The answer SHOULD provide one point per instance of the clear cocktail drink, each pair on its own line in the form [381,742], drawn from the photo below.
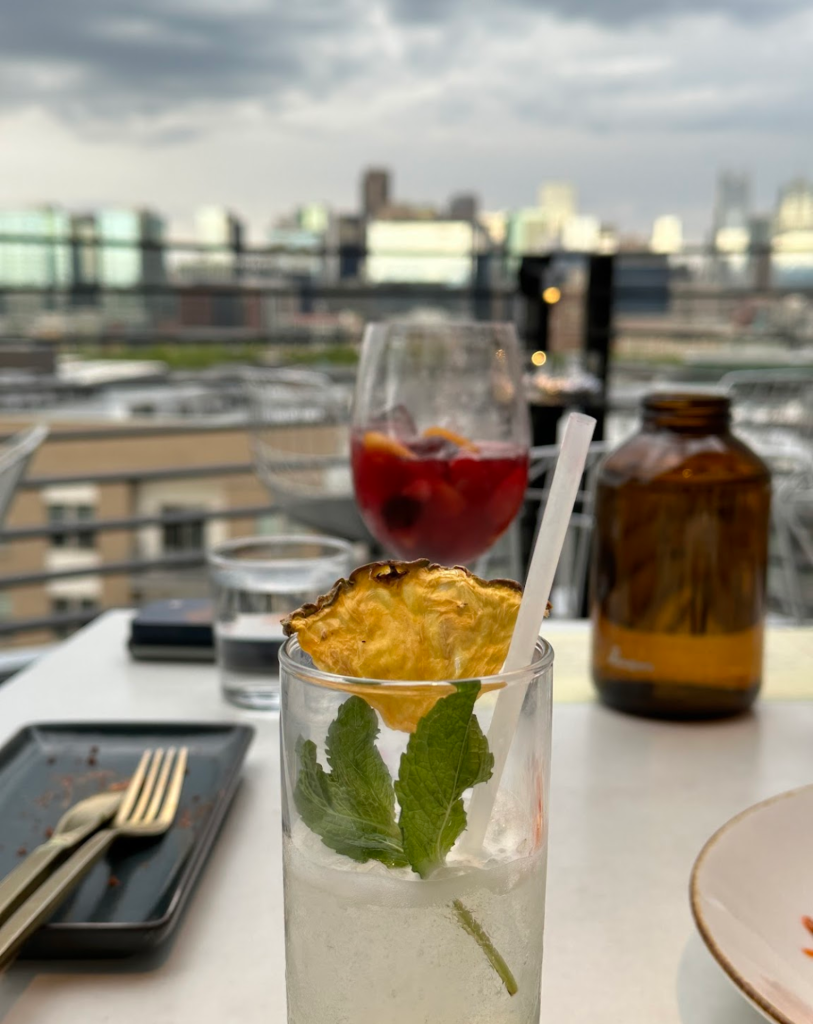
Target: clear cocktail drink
[389,918]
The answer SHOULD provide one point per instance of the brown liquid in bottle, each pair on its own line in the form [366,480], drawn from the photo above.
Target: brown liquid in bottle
[680,561]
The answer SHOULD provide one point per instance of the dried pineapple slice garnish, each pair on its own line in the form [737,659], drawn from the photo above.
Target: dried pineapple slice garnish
[408,621]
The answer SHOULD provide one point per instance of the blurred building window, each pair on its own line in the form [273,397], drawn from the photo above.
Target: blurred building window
[189,535]
[63,605]
[72,520]
[72,606]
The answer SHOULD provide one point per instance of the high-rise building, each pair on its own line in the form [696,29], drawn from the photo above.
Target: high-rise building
[792,262]
[218,227]
[463,207]
[84,260]
[558,201]
[426,251]
[375,191]
[732,213]
[794,210]
[35,252]
[760,230]
[409,211]
[350,235]
[315,217]
[306,240]
[667,235]
[580,233]
[130,248]
[131,256]
[528,232]
[299,252]
[35,257]
[223,232]
[495,223]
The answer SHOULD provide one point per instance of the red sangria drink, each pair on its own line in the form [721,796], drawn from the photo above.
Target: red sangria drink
[440,437]
[439,496]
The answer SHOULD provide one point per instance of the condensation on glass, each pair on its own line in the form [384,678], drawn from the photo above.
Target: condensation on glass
[680,563]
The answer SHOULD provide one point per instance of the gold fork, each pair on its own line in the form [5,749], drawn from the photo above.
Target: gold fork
[148,809]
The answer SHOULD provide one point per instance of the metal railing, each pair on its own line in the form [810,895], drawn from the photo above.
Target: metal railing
[140,563]
[499,285]
[193,292]
[118,476]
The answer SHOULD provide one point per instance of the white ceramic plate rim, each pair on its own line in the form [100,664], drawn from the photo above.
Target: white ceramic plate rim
[762,1003]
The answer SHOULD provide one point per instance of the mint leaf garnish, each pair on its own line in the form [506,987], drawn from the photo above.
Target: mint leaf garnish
[445,755]
[352,808]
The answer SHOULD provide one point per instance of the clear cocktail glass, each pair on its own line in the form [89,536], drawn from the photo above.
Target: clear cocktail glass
[390,916]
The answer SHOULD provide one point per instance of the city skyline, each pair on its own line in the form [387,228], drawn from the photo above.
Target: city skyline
[259,107]
[731,219]
[698,228]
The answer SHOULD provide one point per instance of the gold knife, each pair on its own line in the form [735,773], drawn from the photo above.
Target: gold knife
[73,827]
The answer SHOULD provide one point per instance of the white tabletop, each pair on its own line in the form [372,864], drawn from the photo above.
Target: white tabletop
[632,803]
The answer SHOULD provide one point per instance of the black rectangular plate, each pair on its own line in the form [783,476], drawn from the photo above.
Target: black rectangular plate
[132,899]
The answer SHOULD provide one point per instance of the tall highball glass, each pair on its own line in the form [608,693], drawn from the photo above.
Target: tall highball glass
[390,915]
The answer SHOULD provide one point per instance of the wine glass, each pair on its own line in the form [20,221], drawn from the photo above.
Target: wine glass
[440,437]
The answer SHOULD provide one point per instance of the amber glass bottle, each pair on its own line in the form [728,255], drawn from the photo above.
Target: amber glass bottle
[679,564]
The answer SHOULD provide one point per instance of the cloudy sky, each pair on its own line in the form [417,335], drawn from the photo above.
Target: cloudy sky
[260,104]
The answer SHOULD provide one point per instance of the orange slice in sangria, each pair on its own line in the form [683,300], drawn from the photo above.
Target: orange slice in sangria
[375,441]
[450,435]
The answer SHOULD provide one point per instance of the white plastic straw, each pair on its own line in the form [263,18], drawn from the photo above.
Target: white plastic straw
[549,542]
